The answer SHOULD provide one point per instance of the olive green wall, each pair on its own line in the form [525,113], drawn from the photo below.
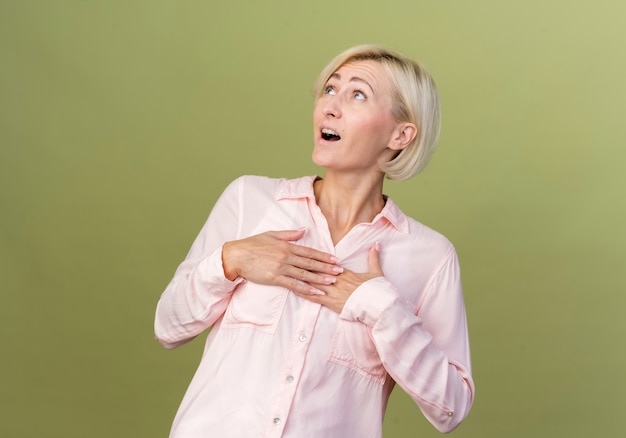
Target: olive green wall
[121,122]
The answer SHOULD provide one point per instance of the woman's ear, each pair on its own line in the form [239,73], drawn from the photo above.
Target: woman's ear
[403,135]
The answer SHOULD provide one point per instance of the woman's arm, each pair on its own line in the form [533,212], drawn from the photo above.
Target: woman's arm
[199,292]
[426,354]
[221,258]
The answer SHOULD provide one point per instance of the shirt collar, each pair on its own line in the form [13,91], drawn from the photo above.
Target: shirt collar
[303,188]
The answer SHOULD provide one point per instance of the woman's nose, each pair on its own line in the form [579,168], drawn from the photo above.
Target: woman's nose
[331,107]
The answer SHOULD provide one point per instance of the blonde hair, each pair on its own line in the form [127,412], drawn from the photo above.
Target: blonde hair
[415,100]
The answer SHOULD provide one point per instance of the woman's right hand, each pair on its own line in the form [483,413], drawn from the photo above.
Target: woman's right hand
[271,259]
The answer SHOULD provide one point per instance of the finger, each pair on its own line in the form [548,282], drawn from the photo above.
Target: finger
[288,235]
[373,259]
[301,250]
[313,265]
[314,254]
[307,276]
[303,289]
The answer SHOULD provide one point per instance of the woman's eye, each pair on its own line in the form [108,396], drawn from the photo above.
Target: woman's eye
[329,90]
[358,95]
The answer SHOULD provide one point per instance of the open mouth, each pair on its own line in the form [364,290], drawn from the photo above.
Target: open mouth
[330,135]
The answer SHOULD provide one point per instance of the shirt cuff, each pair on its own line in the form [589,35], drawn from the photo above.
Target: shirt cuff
[369,301]
[213,272]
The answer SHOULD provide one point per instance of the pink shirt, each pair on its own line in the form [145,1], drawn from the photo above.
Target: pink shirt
[277,365]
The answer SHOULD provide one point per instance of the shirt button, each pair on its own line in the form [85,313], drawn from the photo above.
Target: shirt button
[290,379]
[276,420]
[450,414]
[302,338]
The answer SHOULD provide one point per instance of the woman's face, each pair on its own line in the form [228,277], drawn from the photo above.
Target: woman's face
[352,119]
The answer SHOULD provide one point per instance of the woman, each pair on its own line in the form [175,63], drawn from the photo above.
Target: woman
[321,294]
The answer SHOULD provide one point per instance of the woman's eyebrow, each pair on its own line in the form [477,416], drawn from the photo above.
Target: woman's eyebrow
[352,79]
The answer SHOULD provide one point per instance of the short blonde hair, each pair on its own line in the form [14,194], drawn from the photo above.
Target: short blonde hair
[415,100]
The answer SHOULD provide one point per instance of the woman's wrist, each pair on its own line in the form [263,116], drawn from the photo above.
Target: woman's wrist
[230,271]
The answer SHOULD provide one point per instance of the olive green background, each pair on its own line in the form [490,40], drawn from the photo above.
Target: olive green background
[122,121]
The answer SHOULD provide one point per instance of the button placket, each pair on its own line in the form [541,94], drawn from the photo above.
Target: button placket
[300,343]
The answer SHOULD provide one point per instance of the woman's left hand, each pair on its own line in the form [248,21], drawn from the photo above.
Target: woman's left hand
[334,296]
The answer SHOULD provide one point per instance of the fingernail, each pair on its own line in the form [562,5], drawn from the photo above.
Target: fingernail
[334,259]
[377,246]
[315,291]
[330,280]
[337,269]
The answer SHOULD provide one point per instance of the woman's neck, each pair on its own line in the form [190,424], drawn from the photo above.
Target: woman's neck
[347,201]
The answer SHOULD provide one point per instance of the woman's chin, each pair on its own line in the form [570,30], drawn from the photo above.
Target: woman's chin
[320,159]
